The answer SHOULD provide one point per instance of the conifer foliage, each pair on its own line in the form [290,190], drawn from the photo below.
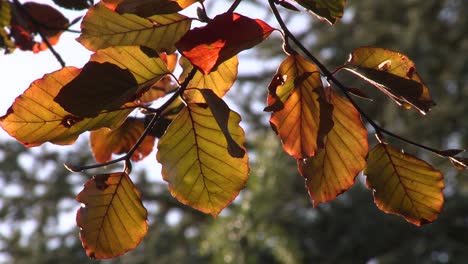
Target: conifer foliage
[137,46]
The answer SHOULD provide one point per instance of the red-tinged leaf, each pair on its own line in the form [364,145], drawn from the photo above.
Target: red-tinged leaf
[32,18]
[105,142]
[334,168]
[35,118]
[196,163]
[327,10]
[146,8]
[113,77]
[394,74]
[306,117]
[222,38]
[404,185]
[219,81]
[112,219]
[102,28]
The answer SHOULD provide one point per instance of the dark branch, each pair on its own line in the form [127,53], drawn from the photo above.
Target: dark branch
[331,78]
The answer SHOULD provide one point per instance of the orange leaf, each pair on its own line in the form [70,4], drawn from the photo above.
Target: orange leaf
[105,141]
[334,168]
[306,117]
[35,118]
[222,38]
[113,219]
[394,74]
[404,185]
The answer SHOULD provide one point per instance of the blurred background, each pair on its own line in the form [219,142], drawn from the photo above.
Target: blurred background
[272,221]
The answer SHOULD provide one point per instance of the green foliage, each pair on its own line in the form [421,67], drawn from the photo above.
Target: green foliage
[202,151]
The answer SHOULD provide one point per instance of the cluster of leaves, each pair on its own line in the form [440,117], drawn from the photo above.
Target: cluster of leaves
[137,46]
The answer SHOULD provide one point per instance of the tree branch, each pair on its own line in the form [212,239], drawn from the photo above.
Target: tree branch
[331,78]
[233,6]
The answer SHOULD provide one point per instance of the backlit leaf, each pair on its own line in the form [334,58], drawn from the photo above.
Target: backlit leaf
[105,142]
[6,42]
[327,10]
[35,118]
[146,8]
[112,219]
[196,163]
[306,117]
[394,74]
[404,185]
[102,28]
[334,168]
[222,38]
[219,81]
[113,77]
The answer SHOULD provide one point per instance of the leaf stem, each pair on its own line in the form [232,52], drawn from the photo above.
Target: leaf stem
[233,6]
[154,120]
[331,78]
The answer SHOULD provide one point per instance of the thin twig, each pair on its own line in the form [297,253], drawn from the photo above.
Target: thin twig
[331,78]
[43,36]
[233,6]
[154,120]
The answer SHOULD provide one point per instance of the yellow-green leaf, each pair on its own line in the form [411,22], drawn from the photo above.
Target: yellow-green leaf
[306,117]
[35,118]
[105,142]
[334,168]
[102,28]
[196,163]
[113,76]
[146,8]
[112,219]
[394,74]
[404,185]
[327,10]
[220,81]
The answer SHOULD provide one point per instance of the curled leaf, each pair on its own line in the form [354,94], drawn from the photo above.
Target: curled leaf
[394,74]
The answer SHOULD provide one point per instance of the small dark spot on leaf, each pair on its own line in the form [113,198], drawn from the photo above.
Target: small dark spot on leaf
[101,181]
[410,72]
[69,120]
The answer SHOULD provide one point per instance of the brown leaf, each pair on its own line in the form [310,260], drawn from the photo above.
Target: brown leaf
[146,8]
[222,38]
[105,142]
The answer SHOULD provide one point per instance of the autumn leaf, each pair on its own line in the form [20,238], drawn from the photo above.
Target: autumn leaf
[306,117]
[102,28]
[35,118]
[146,8]
[394,74]
[31,18]
[113,77]
[196,163]
[165,85]
[219,81]
[327,10]
[112,219]
[404,185]
[6,42]
[334,168]
[105,142]
[222,38]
